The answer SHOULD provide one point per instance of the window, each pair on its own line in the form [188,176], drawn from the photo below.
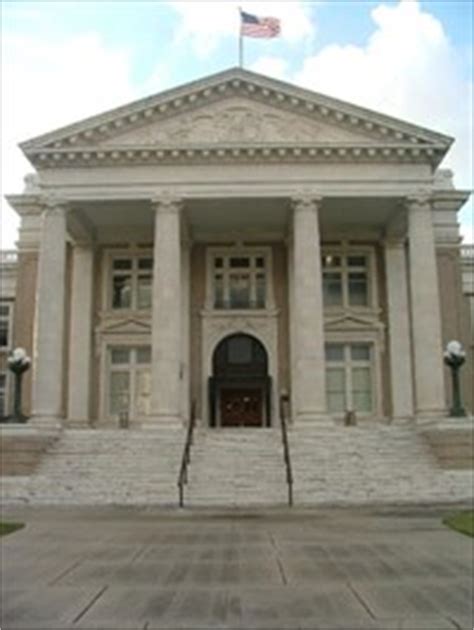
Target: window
[239,282]
[5,323]
[131,282]
[349,377]
[129,380]
[346,280]
[3,394]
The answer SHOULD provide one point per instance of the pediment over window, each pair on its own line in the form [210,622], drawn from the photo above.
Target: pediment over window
[125,326]
[351,322]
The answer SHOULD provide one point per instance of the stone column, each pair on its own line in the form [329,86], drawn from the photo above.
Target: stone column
[48,375]
[307,311]
[80,335]
[186,327]
[166,320]
[425,310]
[401,377]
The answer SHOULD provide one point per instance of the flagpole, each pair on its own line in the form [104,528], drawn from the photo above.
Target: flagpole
[241,43]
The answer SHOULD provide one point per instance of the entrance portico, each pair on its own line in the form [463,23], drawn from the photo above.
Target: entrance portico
[172,230]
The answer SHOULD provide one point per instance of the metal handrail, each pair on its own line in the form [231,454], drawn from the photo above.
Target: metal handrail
[286,447]
[186,459]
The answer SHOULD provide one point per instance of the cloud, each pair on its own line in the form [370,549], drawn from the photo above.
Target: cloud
[206,24]
[47,84]
[408,69]
[270,66]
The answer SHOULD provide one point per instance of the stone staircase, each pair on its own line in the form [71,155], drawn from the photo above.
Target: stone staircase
[371,464]
[237,467]
[332,465]
[100,467]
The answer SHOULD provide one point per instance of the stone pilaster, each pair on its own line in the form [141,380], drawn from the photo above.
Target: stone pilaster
[307,313]
[166,320]
[425,310]
[47,404]
[186,328]
[80,335]
[401,377]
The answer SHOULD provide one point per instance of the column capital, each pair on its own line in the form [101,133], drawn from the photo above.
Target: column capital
[165,203]
[54,205]
[419,199]
[307,201]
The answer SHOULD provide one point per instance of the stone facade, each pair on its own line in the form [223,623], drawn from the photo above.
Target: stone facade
[230,242]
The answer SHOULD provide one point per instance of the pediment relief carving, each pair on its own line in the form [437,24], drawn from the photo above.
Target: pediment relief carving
[235,121]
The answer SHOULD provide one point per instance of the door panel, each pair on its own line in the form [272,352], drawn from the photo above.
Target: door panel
[241,407]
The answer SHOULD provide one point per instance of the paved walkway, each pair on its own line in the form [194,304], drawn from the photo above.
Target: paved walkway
[117,568]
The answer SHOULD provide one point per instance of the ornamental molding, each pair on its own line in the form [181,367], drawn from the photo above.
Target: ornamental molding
[349,321]
[309,153]
[124,326]
[232,111]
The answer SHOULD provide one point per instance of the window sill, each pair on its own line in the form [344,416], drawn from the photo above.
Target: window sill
[241,312]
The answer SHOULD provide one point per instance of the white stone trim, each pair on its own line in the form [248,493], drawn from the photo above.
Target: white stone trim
[216,326]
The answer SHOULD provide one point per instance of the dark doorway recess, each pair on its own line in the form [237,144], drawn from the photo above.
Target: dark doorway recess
[240,388]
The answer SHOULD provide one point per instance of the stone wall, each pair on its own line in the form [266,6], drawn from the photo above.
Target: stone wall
[24,314]
[455,318]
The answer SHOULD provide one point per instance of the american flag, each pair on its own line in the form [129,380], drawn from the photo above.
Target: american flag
[253,26]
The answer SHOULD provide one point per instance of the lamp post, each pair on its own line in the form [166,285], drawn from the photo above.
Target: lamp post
[454,357]
[18,363]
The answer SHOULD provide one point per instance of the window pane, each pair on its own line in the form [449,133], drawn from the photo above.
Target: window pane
[119,392]
[218,291]
[361,379]
[260,290]
[260,262]
[4,310]
[360,352]
[218,263]
[122,263]
[240,262]
[120,356]
[336,402]
[239,290]
[3,333]
[144,291]
[332,289]
[336,379]
[331,261]
[145,263]
[142,392]
[358,289]
[239,350]
[334,352]
[144,355]
[3,383]
[357,261]
[122,292]
[361,389]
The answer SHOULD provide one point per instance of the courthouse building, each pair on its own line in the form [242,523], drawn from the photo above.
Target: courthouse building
[231,241]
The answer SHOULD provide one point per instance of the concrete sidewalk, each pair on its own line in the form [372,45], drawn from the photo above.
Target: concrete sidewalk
[123,568]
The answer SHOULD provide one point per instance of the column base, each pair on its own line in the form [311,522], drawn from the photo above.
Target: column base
[315,418]
[46,422]
[429,416]
[158,421]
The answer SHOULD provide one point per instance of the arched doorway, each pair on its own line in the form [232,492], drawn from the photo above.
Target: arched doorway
[239,389]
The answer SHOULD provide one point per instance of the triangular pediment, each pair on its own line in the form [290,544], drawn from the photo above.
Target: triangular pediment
[236,107]
[346,321]
[126,326]
[235,120]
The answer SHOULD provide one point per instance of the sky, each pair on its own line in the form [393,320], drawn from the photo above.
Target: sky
[64,61]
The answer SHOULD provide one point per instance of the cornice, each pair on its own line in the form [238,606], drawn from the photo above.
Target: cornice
[235,82]
[75,157]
